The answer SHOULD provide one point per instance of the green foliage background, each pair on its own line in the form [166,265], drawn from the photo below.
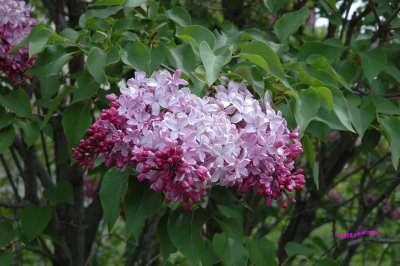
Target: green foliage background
[340,83]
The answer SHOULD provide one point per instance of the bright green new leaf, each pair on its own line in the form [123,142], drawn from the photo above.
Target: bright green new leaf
[262,252]
[7,137]
[140,203]
[213,63]
[290,22]
[373,62]
[392,126]
[261,54]
[195,34]
[76,119]
[95,64]
[113,189]
[180,16]
[184,232]
[34,219]
[18,102]
[62,193]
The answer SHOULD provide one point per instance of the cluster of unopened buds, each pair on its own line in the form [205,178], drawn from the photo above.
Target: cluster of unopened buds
[183,144]
[15,25]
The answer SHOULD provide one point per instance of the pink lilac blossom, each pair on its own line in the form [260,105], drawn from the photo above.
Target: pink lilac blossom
[15,25]
[183,144]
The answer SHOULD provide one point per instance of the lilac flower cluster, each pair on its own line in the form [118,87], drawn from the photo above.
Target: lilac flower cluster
[15,25]
[182,144]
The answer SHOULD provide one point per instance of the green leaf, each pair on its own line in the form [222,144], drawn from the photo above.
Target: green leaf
[50,62]
[179,15]
[309,150]
[70,34]
[98,13]
[230,249]
[326,95]
[62,193]
[362,112]
[254,76]
[7,137]
[166,245]
[370,140]
[140,203]
[392,127]
[95,64]
[6,258]
[31,131]
[184,231]
[213,63]
[55,103]
[7,233]
[134,3]
[327,262]
[341,108]
[393,71]
[307,106]
[182,57]
[18,102]
[157,56]
[49,85]
[34,219]
[293,249]
[373,62]
[137,55]
[109,2]
[76,119]
[6,118]
[315,171]
[275,5]
[319,63]
[329,51]
[195,34]
[290,22]
[385,106]
[261,54]
[38,38]
[262,252]
[85,88]
[113,189]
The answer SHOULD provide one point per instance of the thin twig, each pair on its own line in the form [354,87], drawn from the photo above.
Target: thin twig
[9,176]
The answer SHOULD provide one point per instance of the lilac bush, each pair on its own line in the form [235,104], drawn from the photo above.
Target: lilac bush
[183,144]
[15,25]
